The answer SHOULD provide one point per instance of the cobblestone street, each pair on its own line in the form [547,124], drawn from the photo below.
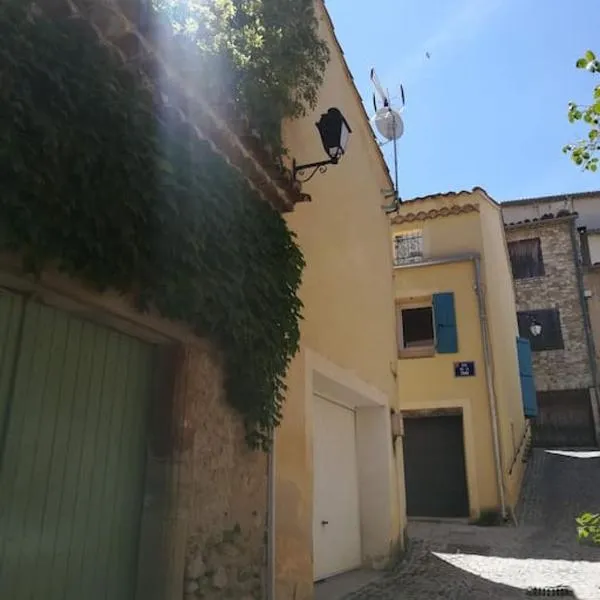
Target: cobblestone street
[464,562]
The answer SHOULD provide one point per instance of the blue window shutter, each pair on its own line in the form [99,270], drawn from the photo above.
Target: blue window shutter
[444,316]
[526,375]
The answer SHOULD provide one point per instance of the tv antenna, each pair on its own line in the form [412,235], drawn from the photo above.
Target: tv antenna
[388,123]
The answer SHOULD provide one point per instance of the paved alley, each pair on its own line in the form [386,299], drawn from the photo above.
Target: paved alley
[463,562]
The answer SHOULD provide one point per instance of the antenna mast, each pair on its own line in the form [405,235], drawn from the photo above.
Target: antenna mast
[388,123]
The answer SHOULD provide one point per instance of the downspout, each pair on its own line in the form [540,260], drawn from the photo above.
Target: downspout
[270,584]
[487,357]
[587,326]
[489,376]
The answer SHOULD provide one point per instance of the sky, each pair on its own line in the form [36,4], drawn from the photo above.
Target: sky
[489,107]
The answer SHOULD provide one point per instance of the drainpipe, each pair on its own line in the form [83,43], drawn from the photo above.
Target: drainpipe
[587,328]
[270,584]
[489,376]
[487,358]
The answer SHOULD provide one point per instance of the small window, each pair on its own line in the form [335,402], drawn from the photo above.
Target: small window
[585,257]
[427,327]
[417,327]
[592,246]
[542,328]
[526,258]
[408,247]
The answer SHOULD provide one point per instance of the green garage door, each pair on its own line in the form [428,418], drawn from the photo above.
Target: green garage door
[73,406]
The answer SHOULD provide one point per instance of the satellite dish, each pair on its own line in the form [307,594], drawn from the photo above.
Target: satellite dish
[388,123]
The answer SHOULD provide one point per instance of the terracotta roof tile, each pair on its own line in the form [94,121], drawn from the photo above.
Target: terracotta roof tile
[557,197]
[446,211]
[447,195]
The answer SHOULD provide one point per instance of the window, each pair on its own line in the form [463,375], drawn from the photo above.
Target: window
[428,327]
[408,247]
[585,255]
[593,247]
[526,258]
[546,323]
[417,327]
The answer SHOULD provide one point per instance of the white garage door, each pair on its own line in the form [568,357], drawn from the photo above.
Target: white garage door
[336,525]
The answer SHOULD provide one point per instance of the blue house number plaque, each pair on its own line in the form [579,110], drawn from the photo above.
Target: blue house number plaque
[464,369]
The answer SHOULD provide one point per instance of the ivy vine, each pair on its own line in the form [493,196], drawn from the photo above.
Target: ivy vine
[110,185]
[263,57]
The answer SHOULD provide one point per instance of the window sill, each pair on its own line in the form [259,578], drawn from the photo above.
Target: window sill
[537,350]
[424,352]
[529,277]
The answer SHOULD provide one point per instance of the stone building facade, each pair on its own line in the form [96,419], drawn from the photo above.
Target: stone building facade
[566,368]
[553,314]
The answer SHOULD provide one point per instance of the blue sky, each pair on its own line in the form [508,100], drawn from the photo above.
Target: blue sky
[488,108]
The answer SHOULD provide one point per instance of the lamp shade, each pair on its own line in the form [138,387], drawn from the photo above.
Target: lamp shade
[335,133]
[535,328]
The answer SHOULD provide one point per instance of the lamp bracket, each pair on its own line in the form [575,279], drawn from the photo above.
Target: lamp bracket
[396,202]
[320,167]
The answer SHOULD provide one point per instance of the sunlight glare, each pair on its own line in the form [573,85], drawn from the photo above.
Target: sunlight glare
[576,453]
[582,576]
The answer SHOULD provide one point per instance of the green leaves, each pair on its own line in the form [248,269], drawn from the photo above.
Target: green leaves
[583,152]
[588,527]
[263,57]
[106,181]
[589,62]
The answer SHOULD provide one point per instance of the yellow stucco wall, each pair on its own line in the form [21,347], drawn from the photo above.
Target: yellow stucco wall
[501,306]
[479,232]
[443,236]
[348,309]
[429,383]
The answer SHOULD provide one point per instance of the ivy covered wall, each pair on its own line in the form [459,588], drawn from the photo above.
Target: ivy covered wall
[263,57]
[110,184]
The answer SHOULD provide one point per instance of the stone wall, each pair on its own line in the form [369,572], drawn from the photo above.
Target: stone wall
[204,524]
[222,489]
[558,288]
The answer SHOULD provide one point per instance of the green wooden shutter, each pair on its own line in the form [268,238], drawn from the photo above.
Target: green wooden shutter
[444,316]
[528,394]
[11,309]
[71,483]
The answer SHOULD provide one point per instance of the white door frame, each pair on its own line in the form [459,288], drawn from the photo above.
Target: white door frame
[336,497]
[375,460]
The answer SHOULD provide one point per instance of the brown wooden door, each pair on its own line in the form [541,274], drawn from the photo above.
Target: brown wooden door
[434,458]
[564,419]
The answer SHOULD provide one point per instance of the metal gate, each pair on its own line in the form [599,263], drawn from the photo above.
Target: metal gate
[564,419]
[73,419]
[434,467]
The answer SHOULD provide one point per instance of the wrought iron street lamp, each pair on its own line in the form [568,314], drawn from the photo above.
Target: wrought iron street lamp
[335,133]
